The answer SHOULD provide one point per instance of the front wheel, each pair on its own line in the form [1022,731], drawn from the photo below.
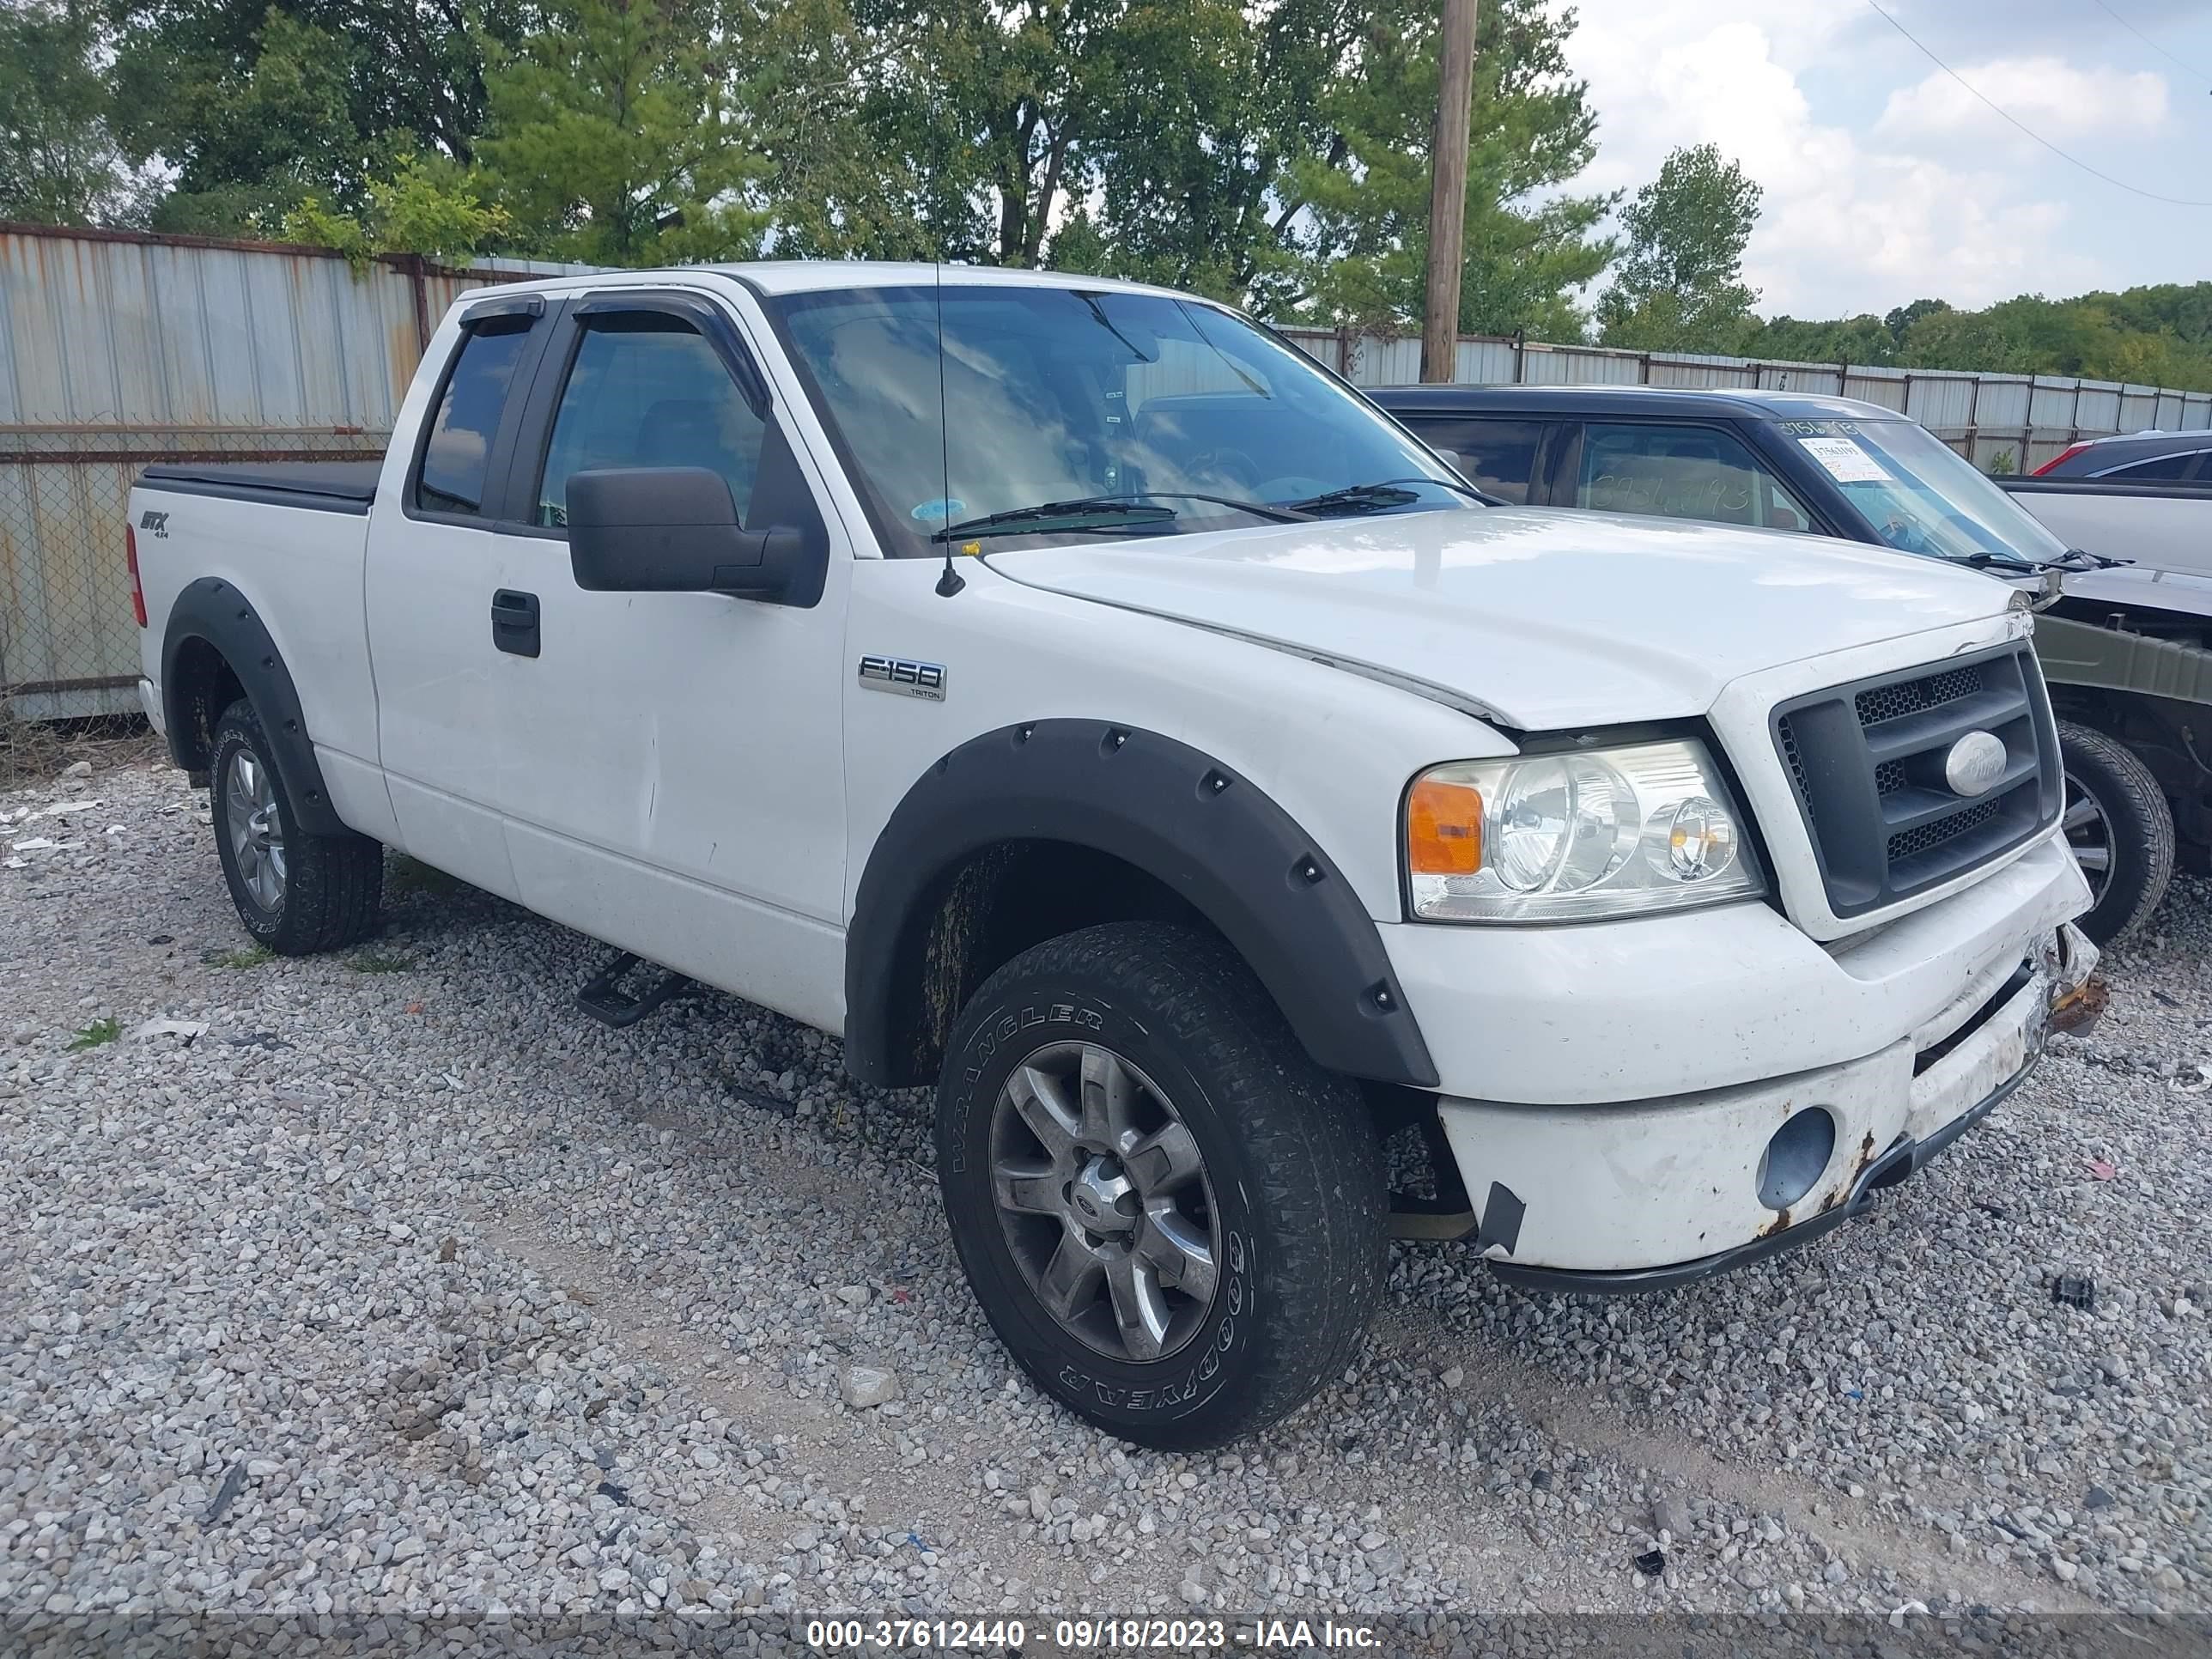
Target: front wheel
[1172,1217]
[2120,829]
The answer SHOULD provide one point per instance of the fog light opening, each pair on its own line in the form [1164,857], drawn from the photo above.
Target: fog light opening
[1797,1158]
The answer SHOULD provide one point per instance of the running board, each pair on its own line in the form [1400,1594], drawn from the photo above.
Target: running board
[604,999]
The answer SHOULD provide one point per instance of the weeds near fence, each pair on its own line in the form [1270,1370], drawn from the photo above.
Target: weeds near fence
[40,752]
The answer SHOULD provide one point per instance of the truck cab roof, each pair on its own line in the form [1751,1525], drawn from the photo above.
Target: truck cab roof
[1650,402]
[768,276]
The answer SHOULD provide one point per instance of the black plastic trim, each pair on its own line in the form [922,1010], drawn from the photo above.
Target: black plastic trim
[513,305]
[1843,814]
[1209,835]
[213,611]
[704,314]
[1903,1159]
[348,487]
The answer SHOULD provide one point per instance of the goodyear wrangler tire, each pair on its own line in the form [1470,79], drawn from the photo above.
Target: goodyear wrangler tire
[1174,1220]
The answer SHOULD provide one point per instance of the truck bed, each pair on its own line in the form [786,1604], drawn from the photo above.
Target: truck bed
[316,486]
[2157,527]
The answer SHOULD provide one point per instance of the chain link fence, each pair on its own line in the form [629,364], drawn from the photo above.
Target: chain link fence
[68,645]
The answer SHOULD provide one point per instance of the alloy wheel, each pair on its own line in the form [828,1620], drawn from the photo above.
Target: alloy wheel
[256,832]
[1103,1196]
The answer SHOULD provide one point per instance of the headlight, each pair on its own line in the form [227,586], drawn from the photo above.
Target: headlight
[1578,833]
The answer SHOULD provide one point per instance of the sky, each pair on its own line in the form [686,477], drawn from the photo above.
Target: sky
[1884,179]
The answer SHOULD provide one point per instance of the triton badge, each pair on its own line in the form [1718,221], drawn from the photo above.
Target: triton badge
[904,676]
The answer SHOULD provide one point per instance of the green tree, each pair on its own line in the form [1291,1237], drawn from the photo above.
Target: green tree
[1679,286]
[429,205]
[1278,155]
[1362,240]
[59,162]
[618,138]
[257,105]
[1862,339]
[1900,321]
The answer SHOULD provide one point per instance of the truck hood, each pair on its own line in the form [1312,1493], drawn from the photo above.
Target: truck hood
[1540,620]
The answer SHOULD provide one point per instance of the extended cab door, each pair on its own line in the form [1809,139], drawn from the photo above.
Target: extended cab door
[434,568]
[677,784]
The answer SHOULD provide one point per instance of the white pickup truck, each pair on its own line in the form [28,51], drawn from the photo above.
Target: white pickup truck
[2158,525]
[1077,699]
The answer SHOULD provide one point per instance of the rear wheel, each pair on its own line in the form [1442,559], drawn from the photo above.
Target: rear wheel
[2120,829]
[1173,1218]
[297,893]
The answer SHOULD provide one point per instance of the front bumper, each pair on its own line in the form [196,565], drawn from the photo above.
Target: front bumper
[1644,1195]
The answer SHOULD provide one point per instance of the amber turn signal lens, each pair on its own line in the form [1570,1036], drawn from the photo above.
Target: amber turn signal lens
[1443,828]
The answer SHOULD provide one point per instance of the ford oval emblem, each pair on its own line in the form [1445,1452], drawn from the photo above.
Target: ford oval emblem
[1974,763]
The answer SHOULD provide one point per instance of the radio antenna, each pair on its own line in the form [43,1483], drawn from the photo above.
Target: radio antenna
[951,581]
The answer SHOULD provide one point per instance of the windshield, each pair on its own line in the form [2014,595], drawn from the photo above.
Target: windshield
[1034,415]
[1921,495]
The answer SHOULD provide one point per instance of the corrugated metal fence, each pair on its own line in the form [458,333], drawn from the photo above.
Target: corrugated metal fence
[117,348]
[1996,421]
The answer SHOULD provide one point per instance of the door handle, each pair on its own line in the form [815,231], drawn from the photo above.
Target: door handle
[514,622]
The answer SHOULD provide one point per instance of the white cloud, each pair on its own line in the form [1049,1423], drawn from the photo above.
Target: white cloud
[1853,221]
[2052,96]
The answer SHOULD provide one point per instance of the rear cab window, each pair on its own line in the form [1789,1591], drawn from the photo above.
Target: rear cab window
[453,474]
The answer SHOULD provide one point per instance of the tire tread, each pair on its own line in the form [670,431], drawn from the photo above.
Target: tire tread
[334,886]
[2139,813]
[1307,1131]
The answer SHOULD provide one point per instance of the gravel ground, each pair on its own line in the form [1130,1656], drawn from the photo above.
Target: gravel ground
[403,1287]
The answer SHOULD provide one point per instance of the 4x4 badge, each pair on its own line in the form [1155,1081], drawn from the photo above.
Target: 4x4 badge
[904,676]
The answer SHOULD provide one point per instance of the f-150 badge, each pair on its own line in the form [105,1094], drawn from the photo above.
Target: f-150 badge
[904,676]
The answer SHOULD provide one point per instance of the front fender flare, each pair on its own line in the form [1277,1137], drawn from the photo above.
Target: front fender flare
[213,611]
[1206,833]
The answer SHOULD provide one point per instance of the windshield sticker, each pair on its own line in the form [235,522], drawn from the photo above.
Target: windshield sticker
[942,508]
[1846,462]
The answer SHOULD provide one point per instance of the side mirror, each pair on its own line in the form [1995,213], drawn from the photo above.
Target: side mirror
[675,530]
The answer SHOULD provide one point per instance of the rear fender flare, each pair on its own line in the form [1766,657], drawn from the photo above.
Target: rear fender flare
[213,611]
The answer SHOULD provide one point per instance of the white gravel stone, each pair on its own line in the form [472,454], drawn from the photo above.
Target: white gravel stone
[869,1385]
[422,1279]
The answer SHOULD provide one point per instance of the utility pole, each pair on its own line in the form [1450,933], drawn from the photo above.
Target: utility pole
[1448,191]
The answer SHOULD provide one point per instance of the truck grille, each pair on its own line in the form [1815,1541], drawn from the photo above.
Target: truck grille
[1867,763]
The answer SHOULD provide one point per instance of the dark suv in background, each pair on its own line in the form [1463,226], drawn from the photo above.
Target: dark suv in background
[1834,466]
[2138,457]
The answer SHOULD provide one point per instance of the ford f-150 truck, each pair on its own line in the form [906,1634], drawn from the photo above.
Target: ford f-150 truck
[1075,698]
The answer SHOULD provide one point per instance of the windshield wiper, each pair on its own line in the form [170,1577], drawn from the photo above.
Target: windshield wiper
[1112,512]
[2073,559]
[1385,492]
